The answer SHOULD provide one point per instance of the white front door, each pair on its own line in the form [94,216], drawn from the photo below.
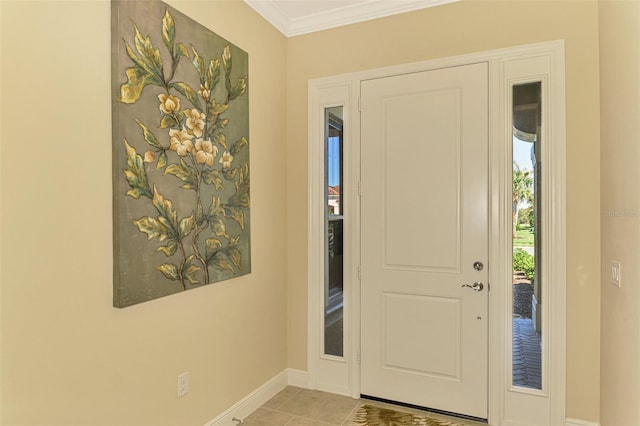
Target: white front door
[424,207]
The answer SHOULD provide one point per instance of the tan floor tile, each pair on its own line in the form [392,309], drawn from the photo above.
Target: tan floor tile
[302,407]
[282,397]
[301,421]
[320,406]
[265,417]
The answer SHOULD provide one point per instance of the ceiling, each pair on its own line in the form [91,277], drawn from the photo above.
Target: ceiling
[296,17]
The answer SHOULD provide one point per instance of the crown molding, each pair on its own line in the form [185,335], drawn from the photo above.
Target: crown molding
[336,16]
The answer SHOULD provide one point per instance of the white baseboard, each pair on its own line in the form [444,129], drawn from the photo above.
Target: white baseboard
[298,378]
[258,397]
[579,422]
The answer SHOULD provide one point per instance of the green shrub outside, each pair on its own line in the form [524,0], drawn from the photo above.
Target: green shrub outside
[523,261]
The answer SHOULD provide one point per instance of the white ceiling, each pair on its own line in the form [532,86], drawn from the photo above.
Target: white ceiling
[296,17]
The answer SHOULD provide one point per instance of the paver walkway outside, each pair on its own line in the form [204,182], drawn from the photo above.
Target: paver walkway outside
[527,355]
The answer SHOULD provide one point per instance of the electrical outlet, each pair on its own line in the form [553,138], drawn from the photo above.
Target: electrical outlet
[615,269]
[183,384]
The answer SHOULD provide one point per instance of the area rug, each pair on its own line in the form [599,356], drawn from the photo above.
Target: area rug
[369,415]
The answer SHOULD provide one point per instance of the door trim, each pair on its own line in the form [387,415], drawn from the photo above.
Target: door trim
[506,405]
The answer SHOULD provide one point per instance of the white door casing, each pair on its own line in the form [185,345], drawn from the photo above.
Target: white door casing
[508,406]
[424,171]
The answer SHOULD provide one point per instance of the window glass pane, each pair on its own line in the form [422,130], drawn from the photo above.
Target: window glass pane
[527,295]
[334,217]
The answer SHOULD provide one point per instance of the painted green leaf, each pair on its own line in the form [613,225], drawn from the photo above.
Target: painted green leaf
[183,172]
[235,214]
[219,227]
[236,147]
[137,79]
[222,123]
[182,50]
[218,109]
[212,245]
[213,73]
[162,160]
[170,248]
[234,241]
[230,174]
[134,193]
[134,58]
[227,65]
[170,271]
[164,206]
[241,197]
[168,31]
[235,256]
[168,226]
[186,91]
[220,139]
[168,121]
[186,225]
[239,89]
[148,136]
[152,227]
[189,271]
[216,208]
[217,127]
[212,177]
[198,63]
[220,262]
[190,274]
[149,55]
[136,174]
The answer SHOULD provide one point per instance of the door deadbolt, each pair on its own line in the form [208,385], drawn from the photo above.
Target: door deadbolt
[478,266]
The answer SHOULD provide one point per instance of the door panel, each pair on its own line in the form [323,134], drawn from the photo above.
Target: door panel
[410,223]
[424,223]
[401,312]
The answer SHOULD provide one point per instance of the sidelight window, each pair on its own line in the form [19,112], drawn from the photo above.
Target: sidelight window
[334,220]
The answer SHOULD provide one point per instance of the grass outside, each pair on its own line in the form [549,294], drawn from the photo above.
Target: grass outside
[524,237]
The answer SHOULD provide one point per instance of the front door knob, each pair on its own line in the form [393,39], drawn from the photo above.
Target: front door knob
[477,286]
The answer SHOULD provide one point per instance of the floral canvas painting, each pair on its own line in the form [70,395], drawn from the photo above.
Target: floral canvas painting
[180,113]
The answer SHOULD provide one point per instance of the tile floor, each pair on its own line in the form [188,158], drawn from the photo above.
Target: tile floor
[301,407]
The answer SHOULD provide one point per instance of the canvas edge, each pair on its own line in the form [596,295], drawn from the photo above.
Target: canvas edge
[254,400]
[115,123]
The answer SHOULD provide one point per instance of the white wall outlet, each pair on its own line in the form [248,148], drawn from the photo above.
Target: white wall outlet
[183,384]
[615,270]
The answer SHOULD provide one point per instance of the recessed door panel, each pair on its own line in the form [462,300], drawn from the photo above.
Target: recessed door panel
[429,350]
[419,228]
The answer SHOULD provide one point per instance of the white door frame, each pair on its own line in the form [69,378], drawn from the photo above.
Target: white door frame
[507,405]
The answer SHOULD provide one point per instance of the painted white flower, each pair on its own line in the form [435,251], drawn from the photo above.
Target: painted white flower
[194,122]
[180,141]
[205,152]
[226,160]
[168,103]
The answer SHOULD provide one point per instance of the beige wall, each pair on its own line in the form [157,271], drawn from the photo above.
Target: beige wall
[470,26]
[620,189]
[68,357]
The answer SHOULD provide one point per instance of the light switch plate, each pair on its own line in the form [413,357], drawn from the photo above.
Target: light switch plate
[183,384]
